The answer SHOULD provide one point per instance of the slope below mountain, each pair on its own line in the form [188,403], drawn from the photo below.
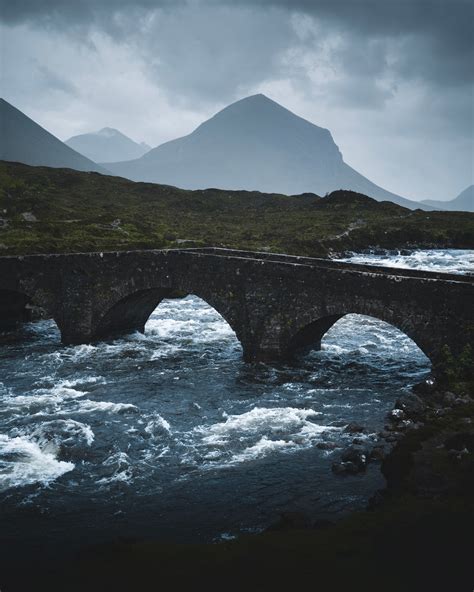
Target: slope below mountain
[75,211]
[107,145]
[23,140]
[254,144]
[464,202]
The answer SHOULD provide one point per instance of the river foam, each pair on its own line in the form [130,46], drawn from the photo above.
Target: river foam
[23,462]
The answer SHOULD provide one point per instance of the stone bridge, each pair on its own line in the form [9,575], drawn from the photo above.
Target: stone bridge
[276,304]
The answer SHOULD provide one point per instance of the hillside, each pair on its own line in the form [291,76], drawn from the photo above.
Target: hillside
[463,202]
[107,145]
[23,140]
[52,210]
[254,144]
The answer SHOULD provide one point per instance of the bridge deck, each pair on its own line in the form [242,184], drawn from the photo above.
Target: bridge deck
[329,264]
[275,258]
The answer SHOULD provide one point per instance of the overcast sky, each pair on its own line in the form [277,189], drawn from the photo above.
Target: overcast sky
[392,80]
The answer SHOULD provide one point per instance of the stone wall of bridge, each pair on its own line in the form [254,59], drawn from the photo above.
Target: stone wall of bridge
[276,304]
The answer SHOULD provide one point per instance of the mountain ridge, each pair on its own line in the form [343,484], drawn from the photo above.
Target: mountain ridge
[463,202]
[23,140]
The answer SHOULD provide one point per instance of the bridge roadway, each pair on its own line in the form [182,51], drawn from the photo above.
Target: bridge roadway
[276,304]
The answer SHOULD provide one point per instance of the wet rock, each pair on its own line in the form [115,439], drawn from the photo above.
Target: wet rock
[460,442]
[377,453]
[353,460]
[345,468]
[354,428]
[338,424]
[396,414]
[405,424]
[425,388]
[358,441]
[355,455]
[449,398]
[394,437]
[462,401]
[327,445]
[412,406]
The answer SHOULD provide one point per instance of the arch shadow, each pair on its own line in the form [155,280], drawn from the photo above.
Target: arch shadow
[18,307]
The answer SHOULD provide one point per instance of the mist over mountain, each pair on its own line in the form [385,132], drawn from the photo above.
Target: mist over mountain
[23,140]
[254,144]
[107,145]
[464,202]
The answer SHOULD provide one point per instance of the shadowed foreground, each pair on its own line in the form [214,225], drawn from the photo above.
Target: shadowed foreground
[417,536]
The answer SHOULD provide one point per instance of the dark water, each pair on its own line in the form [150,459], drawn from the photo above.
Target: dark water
[169,435]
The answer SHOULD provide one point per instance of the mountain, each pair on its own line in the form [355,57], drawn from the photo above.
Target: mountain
[107,145]
[464,202]
[254,144]
[23,140]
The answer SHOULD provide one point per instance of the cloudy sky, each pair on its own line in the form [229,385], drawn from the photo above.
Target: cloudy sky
[391,79]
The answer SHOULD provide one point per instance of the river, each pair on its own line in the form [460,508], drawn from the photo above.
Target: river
[170,436]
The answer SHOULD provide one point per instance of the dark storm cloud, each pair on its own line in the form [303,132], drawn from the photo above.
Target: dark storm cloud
[197,47]
[449,21]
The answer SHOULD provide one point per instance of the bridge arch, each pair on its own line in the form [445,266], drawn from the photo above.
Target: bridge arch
[310,335]
[131,312]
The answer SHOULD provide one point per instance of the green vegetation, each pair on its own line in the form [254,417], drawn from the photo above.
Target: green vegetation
[60,210]
[456,371]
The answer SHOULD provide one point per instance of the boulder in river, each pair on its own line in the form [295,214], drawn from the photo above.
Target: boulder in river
[354,428]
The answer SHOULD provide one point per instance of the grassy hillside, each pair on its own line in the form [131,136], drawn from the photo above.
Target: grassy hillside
[56,210]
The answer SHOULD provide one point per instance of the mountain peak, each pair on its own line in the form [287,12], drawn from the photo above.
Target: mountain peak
[255,103]
[254,144]
[108,132]
[257,98]
[257,119]
[107,145]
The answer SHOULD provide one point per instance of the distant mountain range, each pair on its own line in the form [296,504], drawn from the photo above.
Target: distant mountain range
[464,202]
[23,140]
[107,145]
[254,144]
